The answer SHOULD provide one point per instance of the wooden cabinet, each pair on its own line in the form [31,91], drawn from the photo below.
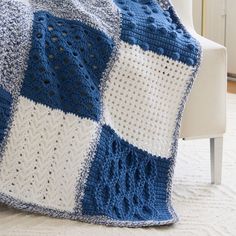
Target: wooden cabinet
[216,19]
[230,35]
[197,15]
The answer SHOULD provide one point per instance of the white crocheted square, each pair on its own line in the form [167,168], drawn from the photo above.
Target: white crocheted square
[44,155]
[143,95]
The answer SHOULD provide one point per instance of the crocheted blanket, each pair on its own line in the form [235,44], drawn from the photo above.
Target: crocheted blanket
[91,99]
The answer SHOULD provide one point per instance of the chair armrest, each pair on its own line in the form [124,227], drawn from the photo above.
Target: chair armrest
[205,113]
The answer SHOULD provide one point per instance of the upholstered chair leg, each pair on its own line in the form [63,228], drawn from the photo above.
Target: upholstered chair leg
[216,149]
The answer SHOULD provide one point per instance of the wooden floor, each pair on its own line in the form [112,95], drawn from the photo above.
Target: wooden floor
[232,87]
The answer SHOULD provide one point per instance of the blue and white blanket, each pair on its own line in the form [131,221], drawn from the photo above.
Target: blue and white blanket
[91,99]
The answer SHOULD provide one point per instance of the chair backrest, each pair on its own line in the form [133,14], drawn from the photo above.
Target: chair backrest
[184,10]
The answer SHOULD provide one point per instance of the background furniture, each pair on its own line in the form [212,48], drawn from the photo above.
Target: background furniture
[205,113]
[215,20]
[230,36]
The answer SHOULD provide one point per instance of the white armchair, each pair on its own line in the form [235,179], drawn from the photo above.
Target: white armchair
[205,113]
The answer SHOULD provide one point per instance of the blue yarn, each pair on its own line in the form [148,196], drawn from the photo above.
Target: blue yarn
[65,65]
[126,183]
[5,111]
[168,35]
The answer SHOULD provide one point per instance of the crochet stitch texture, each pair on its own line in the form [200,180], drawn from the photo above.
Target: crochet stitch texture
[91,99]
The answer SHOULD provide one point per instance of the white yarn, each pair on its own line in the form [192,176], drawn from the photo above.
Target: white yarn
[44,155]
[142,98]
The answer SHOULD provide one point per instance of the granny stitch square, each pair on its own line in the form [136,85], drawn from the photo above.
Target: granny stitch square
[91,99]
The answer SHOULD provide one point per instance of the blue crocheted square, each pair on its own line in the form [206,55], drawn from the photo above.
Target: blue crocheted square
[5,111]
[126,183]
[65,65]
[144,23]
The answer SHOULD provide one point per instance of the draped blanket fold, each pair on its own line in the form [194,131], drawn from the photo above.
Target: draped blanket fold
[91,99]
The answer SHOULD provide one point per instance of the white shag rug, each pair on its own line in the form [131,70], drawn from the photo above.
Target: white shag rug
[204,209]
